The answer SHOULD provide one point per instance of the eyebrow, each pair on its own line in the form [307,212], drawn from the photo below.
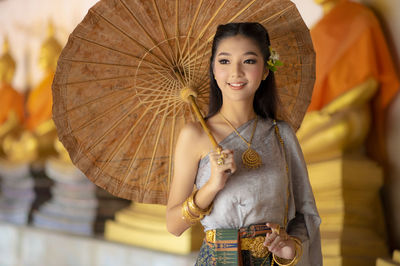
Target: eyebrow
[247,53]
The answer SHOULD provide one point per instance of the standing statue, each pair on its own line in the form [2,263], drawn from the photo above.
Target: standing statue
[355,81]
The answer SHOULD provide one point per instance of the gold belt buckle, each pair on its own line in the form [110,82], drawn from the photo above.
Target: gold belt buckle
[255,246]
[210,236]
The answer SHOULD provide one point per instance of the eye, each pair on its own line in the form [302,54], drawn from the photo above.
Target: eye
[250,61]
[223,61]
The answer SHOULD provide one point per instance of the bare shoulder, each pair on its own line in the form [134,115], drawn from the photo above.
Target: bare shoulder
[192,135]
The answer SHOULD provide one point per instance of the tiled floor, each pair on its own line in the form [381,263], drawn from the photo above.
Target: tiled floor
[29,246]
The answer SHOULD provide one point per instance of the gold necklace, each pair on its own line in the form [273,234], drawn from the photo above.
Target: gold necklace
[250,158]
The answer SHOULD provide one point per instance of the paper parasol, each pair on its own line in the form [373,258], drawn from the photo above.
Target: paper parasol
[118,86]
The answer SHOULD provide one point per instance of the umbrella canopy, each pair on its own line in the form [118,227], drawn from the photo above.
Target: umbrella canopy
[117,92]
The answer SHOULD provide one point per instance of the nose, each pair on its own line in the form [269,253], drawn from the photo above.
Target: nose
[236,70]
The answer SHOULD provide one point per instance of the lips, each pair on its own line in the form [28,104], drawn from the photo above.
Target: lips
[237,85]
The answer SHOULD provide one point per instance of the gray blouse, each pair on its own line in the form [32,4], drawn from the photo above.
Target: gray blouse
[253,196]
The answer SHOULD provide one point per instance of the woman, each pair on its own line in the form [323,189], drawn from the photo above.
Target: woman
[253,197]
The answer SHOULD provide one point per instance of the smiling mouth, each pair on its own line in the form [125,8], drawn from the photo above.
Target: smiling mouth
[237,85]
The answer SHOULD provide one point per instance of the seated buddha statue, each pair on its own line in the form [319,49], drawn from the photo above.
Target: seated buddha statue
[16,145]
[11,101]
[39,103]
[355,83]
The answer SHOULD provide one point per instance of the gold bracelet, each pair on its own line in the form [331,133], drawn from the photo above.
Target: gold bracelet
[284,262]
[196,209]
[297,254]
[188,216]
[299,248]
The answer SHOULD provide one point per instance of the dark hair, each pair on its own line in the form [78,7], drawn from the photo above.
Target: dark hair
[264,103]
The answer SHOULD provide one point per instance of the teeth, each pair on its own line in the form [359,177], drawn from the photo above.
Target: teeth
[236,84]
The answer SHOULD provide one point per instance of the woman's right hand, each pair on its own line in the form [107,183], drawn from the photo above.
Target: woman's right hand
[222,166]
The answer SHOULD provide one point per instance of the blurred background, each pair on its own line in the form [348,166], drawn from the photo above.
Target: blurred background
[51,214]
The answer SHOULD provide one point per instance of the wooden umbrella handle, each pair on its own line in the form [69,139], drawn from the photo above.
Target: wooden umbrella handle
[203,123]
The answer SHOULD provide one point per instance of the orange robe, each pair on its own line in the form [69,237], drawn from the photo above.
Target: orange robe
[39,103]
[350,47]
[10,100]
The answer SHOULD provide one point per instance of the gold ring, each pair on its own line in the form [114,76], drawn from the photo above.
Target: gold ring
[220,161]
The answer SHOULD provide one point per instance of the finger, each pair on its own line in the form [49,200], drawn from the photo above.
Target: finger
[275,243]
[269,238]
[276,248]
[274,227]
[227,167]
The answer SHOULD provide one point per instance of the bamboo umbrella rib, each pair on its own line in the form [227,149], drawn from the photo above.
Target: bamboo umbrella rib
[160,22]
[134,157]
[215,14]
[207,51]
[241,11]
[104,114]
[166,75]
[161,101]
[177,48]
[92,121]
[142,139]
[113,49]
[133,40]
[107,63]
[171,144]
[166,107]
[153,88]
[142,28]
[150,82]
[96,80]
[165,93]
[95,63]
[115,149]
[153,80]
[160,128]
[169,73]
[192,25]
[277,14]
[201,61]
[205,27]
[90,102]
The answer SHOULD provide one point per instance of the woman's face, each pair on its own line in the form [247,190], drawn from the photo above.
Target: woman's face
[238,68]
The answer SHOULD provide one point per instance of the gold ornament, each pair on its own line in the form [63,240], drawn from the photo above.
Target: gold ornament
[258,249]
[250,158]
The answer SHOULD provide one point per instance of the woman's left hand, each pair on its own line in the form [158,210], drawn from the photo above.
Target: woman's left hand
[280,243]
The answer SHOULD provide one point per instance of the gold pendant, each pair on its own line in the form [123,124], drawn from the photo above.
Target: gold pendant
[251,159]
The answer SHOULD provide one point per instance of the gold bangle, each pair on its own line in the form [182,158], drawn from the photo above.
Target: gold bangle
[299,248]
[196,209]
[284,262]
[188,216]
[297,254]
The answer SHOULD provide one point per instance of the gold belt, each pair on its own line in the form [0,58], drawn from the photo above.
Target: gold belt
[253,244]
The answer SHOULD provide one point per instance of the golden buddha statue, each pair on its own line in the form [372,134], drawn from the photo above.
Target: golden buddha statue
[10,100]
[17,146]
[39,103]
[355,82]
